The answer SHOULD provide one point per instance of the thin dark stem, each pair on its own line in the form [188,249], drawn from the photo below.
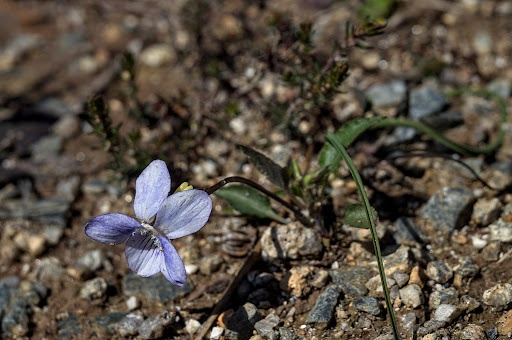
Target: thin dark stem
[237,179]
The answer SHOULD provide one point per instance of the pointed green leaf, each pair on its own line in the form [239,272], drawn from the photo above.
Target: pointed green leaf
[355,216]
[249,201]
[267,167]
[347,133]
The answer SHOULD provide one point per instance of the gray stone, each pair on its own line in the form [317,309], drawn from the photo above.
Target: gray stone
[466,269]
[401,259]
[504,166]
[243,319]
[471,332]
[94,289]
[153,288]
[15,321]
[154,326]
[266,326]
[501,231]
[499,296]
[492,334]
[448,208]
[430,326]
[407,232]
[409,322]
[444,120]
[387,94]
[46,147]
[501,87]
[367,304]
[412,296]
[447,313]
[48,268]
[47,210]
[425,101]
[15,48]
[216,333]
[468,303]
[68,188]
[290,241]
[491,252]
[486,211]
[107,323]
[322,312]
[374,286]
[129,324]
[444,296]
[69,327]
[400,278]
[52,233]
[94,187]
[352,279]
[287,334]
[439,271]
[482,42]
[92,260]
[53,107]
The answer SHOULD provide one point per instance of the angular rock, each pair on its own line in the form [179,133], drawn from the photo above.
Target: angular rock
[69,327]
[94,289]
[430,326]
[499,296]
[387,94]
[447,313]
[486,211]
[265,327]
[425,101]
[322,312]
[471,332]
[374,286]
[129,325]
[439,271]
[92,260]
[407,232]
[107,323]
[448,208]
[412,296]
[400,278]
[401,259]
[154,326]
[367,304]
[291,241]
[153,288]
[352,279]
[287,334]
[501,231]
[468,303]
[444,296]
[243,320]
[48,268]
[409,322]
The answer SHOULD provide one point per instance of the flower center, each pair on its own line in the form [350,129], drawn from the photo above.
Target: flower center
[148,228]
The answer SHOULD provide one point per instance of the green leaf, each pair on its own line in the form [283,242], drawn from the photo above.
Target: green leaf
[347,133]
[249,201]
[355,216]
[267,167]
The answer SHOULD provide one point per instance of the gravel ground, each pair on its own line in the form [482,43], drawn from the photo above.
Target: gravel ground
[209,77]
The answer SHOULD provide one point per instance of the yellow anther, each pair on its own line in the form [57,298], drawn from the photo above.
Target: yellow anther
[184,186]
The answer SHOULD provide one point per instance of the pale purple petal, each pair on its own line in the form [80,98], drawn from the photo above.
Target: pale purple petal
[111,228]
[151,189]
[184,213]
[173,267]
[144,255]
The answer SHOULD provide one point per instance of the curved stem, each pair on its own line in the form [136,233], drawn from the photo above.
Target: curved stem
[331,138]
[237,179]
[457,147]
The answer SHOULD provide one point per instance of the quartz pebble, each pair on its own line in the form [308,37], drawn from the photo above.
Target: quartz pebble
[499,296]
[412,296]
[447,313]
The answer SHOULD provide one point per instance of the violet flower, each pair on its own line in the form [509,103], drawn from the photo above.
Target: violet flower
[149,250]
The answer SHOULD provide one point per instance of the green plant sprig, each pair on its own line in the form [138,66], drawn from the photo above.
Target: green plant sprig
[338,145]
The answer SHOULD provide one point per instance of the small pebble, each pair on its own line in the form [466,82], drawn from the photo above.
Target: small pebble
[412,296]
[439,271]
